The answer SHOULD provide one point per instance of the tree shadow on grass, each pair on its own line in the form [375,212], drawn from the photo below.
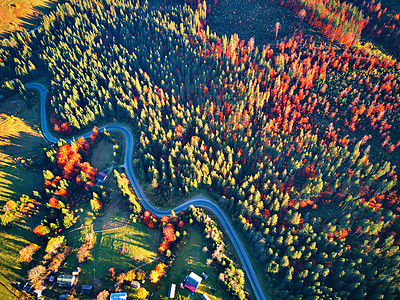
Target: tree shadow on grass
[13,144]
[19,175]
[13,239]
[7,185]
[34,19]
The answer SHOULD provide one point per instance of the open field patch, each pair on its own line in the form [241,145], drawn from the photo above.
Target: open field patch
[20,173]
[255,19]
[20,148]
[16,14]
[12,240]
[102,155]
[125,249]
[191,258]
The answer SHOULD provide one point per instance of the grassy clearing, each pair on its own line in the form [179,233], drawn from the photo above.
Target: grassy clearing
[116,213]
[16,14]
[134,243]
[130,247]
[20,140]
[255,19]
[191,258]
[12,240]
[102,155]
[392,5]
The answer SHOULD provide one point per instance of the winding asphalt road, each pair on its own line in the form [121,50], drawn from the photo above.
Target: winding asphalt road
[198,201]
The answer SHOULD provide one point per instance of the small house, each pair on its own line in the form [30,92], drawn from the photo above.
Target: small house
[118,296]
[171,291]
[86,289]
[101,177]
[28,287]
[204,297]
[204,275]
[65,280]
[135,285]
[38,292]
[192,281]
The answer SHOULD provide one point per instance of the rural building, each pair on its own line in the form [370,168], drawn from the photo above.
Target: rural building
[38,292]
[192,281]
[118,296]
[171,291]
[65,280]
[28,287]
[204,297]
[204,275]
[135,285]
[86,289]
[101,177]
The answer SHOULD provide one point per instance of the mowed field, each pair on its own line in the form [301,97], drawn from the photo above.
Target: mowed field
[134,246]
[19,141]
[18,14]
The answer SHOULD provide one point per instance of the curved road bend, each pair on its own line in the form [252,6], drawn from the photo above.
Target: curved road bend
[198,201]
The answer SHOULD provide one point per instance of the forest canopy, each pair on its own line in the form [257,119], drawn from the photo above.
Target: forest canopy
[290,136]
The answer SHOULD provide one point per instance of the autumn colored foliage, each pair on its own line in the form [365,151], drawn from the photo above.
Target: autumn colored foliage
[71,171]
[383,27]
[339,21]
[61,127]
[39,230]
[297,139]
[149,219]
[70,162]
[158,272]
[169,224]
[26,253]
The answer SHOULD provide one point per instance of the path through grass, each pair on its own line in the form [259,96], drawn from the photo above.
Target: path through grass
[124,249]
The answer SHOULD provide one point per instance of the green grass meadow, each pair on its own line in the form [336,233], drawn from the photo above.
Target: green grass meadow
[18,138]
[12,240]
[140,252]
[191,258]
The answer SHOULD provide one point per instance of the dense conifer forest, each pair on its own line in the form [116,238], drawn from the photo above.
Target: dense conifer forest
[298,140]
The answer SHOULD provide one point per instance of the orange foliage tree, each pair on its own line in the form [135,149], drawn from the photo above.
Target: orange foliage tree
[158,272]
